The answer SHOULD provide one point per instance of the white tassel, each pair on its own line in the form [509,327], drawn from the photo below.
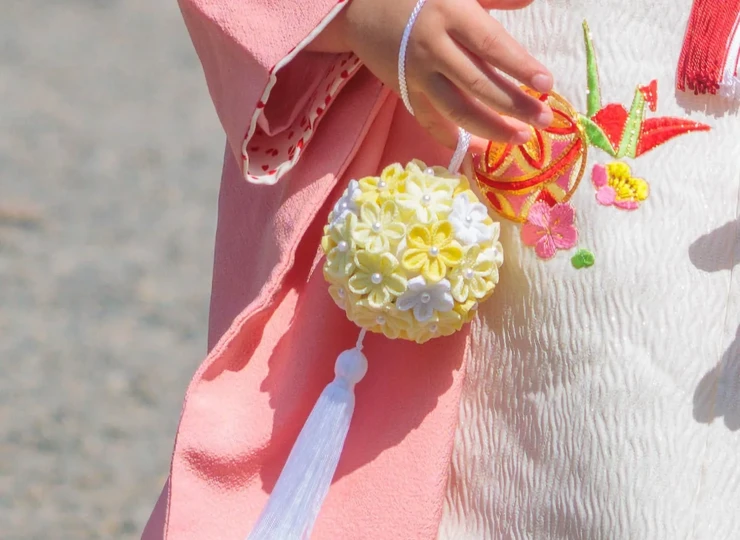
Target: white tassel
[304,482]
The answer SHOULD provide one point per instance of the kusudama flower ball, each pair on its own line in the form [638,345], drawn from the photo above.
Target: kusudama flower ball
[411,253]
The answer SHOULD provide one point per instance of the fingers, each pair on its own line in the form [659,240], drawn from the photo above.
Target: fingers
[442,130]
[468,169]
[470,114]
[486,38]
[504,4]
[491,88]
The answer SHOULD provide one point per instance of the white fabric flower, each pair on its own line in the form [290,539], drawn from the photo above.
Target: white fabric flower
[425,299]
[467,219]
[347,204]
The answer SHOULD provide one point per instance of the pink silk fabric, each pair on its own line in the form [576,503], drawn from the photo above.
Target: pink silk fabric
[275,332]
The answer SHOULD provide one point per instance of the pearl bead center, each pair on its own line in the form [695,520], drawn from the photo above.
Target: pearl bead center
[426,298]
[426,199]
[468,273]
[434,251]
[380,319]
[343,246]
[376,227]
[376,278]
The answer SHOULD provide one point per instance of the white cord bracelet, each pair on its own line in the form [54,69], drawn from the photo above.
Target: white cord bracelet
[463,140]
[402,56]
[463,144]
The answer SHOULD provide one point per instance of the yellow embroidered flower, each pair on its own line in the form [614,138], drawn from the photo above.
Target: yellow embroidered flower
[473,277]
[340,248]
[425,196]
[377,277]
[616,186]
[431,250]
[378,229]
[390,321]
[379,189]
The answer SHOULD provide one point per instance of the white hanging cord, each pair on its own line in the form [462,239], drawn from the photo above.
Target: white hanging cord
[402,56]
[360,339]
[463,144]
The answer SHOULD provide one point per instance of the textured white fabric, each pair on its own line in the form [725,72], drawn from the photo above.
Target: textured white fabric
[604,403]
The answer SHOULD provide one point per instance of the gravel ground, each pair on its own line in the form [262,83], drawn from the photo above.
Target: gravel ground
[109,162]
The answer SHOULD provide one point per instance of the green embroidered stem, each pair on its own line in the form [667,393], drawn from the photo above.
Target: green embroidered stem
[633,127]
[595,136]
[592,74]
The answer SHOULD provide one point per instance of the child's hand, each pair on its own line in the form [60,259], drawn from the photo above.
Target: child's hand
[454,57]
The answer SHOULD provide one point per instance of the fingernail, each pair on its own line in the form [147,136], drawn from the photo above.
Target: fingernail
[542,82]
[544,119]
[521,136]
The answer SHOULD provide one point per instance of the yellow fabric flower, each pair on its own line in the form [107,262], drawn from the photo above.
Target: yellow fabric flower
[464,187]
[472,278]
[343,298]
[379,229]
[467,310]
[379,189]
[390,321]
[432,250]
[417,166]
[496,254]
[442,324]
[377,277]
[340,248]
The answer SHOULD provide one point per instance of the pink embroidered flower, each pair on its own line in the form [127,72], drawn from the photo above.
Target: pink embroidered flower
[549,229]
[615,186]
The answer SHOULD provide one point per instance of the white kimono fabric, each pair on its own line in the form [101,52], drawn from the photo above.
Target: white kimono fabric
[603,402]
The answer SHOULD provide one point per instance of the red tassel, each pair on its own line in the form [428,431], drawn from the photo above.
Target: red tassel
[706,45]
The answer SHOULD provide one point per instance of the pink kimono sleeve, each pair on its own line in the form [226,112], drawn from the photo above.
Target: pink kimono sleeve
[270,94]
